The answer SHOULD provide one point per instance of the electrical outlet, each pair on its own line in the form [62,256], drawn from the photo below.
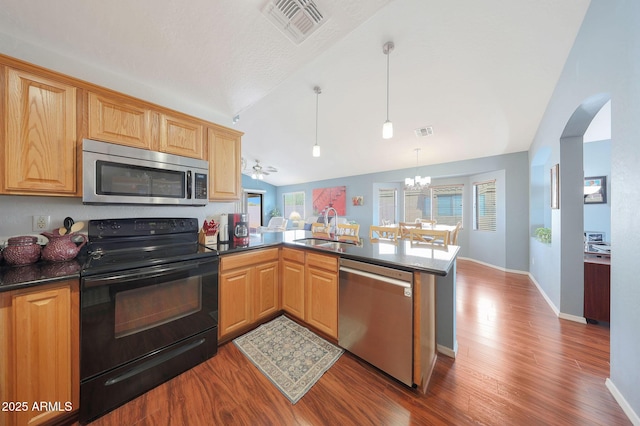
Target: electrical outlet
[41,223]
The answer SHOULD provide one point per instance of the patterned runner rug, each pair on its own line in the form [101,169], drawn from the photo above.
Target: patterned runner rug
[291,356]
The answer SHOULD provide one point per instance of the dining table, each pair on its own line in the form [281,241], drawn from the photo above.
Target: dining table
[437,227]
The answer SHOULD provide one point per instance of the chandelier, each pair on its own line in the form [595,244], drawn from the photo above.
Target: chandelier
[417,183]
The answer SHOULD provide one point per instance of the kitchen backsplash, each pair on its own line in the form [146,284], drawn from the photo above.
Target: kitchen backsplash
[16,212]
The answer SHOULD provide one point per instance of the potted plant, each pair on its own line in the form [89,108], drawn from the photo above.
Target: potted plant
[275,212]
[543,235]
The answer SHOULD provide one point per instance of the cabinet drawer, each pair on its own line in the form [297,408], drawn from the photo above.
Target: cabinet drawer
[293,255]
[323,261]
[248,258]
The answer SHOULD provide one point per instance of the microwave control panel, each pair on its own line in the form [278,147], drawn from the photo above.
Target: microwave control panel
[200,192]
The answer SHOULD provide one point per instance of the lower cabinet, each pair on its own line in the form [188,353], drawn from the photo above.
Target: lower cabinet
[321,292]
[597,289]
[248,290]
[293,282]
[39,353]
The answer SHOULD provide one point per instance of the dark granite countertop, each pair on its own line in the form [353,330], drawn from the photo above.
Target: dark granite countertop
[403,255]
[39,273]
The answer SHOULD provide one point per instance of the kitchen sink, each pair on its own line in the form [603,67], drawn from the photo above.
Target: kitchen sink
[329,244]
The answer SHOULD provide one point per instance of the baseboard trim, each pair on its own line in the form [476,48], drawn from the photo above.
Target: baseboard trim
[446,351]
[622,402]
[574,318]
[553,307]
[499,268]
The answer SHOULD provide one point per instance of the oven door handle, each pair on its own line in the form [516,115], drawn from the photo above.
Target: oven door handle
[143,273]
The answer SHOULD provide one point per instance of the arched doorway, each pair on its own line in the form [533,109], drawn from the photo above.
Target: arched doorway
[570,226]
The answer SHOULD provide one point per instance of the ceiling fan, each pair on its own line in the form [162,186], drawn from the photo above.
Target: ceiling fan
[259,172]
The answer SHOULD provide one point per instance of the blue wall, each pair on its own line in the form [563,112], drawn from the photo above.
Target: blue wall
[605,59]
[509,244]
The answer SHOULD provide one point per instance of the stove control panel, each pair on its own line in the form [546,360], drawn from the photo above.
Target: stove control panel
[139,227]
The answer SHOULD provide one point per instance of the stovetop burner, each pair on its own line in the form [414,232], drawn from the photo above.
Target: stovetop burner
[122,244]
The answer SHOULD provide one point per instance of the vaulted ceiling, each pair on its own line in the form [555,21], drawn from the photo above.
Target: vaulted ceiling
[480,73]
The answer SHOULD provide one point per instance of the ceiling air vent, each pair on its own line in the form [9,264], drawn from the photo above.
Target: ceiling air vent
[297,19]
[424,131]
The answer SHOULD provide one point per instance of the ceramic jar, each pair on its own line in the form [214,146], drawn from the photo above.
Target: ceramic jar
[61,247]
[22,250]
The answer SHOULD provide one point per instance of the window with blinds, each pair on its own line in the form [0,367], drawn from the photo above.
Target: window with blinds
[387,206]
[442,203]
[484,206]
[293,202]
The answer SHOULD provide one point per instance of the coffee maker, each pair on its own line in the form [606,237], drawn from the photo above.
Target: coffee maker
[239,228]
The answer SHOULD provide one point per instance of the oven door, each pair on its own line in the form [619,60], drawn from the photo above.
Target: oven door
[129,314]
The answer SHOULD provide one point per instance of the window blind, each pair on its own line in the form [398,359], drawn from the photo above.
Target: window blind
[387,205]
[484,194]
[293,202]
[442,203]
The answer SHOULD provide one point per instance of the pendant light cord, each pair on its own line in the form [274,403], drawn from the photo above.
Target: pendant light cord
[317,89]
[388,52]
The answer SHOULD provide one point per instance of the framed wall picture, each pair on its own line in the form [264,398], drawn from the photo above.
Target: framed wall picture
[594,237]
[595,190]
[323,198]
[555,186]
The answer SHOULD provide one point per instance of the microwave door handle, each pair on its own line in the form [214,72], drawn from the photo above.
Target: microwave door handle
[189,185]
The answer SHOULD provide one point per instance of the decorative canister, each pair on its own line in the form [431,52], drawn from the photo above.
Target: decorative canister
[61,247]
[22,250]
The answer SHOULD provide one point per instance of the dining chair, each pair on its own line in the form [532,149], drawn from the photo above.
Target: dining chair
[423,222]
[348,231]
[430,236]
[319,230]
[454,234]
[405,227]
[383,233]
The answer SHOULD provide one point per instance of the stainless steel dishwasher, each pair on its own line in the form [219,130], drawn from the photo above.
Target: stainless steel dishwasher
[375,316]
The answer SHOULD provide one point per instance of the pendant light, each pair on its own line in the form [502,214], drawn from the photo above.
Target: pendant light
[417,183]
[387,127]
[316,147]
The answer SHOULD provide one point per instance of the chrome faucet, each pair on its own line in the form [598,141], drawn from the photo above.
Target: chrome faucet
[326,220]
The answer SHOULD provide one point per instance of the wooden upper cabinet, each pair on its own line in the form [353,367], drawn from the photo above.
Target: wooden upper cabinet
[181,136]
[225,152]
[116,120]
[40,139]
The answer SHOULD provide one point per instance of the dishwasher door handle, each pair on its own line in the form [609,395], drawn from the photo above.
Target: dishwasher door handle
[376,277]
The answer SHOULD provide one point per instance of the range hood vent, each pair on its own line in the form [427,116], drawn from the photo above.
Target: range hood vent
[297,19]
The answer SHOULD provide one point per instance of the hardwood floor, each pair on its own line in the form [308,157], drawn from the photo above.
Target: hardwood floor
[517,364]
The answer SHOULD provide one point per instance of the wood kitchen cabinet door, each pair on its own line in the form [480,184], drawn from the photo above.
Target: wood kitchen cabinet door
[266,290]
[40,140]
[321,288]
[41,329]
[224,165]
[293,282]
[181,136]
[120,121]
[235,300]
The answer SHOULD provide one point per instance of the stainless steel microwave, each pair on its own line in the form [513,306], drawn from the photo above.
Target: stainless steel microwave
[124,175]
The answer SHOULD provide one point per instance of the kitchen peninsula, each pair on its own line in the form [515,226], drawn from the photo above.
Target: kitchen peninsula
[307,269]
